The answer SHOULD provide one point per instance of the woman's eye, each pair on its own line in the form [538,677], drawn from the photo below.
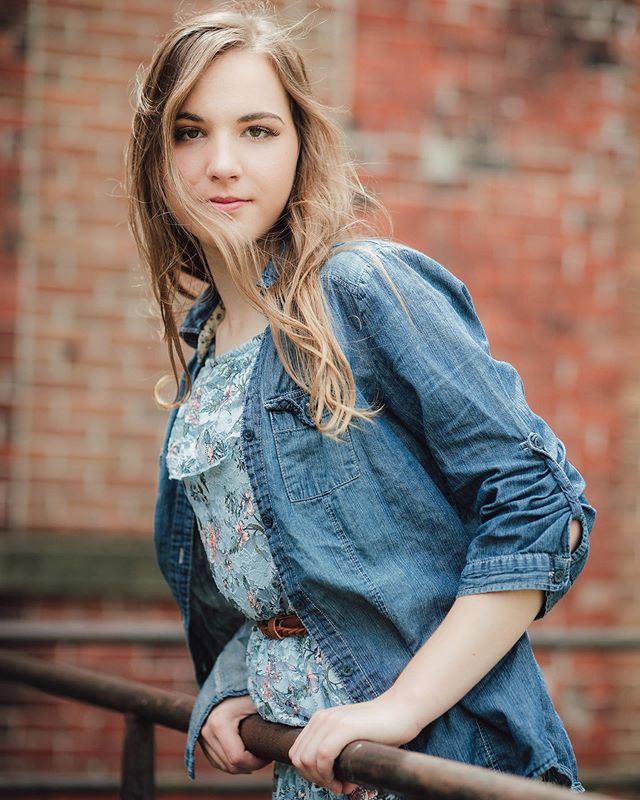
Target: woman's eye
[184,134]
[260,132]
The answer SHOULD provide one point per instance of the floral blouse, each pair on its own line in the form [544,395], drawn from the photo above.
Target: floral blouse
[288,679]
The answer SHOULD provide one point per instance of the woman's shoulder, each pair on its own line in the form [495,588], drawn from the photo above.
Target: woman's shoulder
[359,265]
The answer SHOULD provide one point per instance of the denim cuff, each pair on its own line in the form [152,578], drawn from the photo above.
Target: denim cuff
[228,678]
[553,574]
[203,706]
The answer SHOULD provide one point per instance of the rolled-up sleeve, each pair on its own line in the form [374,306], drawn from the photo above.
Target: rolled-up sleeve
[504,467]
[228,678]
[538,508]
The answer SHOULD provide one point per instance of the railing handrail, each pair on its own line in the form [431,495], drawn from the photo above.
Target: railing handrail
[170,633]
[162,707]
[410,774]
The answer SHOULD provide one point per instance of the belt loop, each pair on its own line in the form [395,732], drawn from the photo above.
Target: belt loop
[272,626]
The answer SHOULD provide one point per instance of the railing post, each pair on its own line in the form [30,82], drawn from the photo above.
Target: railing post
[137,776]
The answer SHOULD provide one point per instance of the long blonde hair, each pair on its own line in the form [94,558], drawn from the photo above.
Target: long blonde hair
[327,205]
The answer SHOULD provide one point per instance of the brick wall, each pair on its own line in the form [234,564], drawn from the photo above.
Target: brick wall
[12,64]
[86,434]
[501,134]
[627,469]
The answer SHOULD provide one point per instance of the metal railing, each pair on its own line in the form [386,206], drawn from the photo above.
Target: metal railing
[23,631]
[411,775]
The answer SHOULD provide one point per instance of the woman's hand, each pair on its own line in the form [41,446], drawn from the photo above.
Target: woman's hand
[220,737]
[329,731]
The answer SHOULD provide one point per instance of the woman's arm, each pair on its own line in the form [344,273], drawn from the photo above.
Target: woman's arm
[475,634]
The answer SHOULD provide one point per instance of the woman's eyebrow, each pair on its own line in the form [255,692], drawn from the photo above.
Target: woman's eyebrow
[254,115]
[259,115]
[190,117]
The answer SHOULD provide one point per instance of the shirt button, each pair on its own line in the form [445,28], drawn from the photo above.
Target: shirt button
[267,519]
[346,671]
[248,435]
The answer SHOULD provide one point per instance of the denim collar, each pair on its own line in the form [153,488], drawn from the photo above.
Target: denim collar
[205,304]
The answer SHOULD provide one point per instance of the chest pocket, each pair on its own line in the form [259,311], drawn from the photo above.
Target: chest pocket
[311,464]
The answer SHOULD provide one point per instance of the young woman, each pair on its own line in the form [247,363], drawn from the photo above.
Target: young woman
[358,513]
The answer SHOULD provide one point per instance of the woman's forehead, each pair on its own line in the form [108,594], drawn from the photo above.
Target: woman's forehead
[236,80]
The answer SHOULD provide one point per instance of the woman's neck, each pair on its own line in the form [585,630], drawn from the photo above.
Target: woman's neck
[241,320]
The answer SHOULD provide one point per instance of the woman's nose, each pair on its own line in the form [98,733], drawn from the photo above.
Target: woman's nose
[223,160]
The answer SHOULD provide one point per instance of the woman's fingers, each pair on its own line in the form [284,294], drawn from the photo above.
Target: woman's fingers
[315,750]
[214,755]
[220,737]
[231,756]
[239,759]
[329,731]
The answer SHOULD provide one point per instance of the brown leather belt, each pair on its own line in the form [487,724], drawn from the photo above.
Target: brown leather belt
[281,625]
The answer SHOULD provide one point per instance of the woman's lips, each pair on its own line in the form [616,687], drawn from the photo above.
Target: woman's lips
[228,205]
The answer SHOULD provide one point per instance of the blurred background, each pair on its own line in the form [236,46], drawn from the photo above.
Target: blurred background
[502,136]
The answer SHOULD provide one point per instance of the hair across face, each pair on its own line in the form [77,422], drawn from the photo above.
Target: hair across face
[235,145]
[239,54]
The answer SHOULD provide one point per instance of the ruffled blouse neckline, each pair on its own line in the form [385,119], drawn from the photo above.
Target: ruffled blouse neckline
[206,428]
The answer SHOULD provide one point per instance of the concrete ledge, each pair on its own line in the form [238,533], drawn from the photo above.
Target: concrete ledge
[38,565]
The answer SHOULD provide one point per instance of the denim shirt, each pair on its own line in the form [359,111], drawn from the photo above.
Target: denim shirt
[457,488]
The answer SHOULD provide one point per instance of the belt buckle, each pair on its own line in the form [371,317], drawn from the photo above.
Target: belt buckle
[274,626]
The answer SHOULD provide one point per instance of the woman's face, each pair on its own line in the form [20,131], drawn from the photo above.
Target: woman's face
[235,143]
